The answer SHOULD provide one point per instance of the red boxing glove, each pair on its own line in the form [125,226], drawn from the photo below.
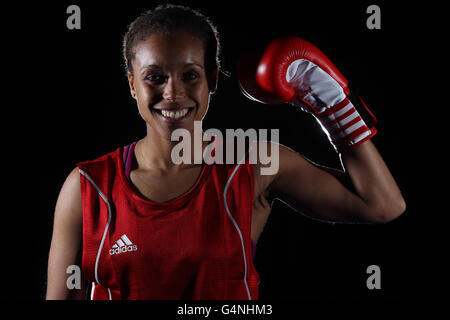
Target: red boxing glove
[292,70]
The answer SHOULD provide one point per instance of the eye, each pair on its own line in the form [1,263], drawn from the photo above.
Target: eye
[189,76]
[156,78]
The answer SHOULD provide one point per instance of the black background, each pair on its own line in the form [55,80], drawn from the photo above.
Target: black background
[75,105]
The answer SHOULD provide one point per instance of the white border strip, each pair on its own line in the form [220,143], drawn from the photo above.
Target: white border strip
[92,290]
[106,228]
[236,226]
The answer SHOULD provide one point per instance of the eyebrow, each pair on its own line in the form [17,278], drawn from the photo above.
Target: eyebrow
[159,67]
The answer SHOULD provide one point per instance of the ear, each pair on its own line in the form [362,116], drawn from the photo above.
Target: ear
[212,81]
[131,84]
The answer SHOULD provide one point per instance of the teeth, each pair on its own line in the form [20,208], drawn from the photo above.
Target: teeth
[175,115]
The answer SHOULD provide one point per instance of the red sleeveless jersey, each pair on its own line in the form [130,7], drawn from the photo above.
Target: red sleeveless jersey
[196,246]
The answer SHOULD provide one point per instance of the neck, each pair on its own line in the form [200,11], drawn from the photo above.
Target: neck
[155,152]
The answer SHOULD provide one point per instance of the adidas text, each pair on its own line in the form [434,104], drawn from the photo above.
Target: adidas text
[123,249]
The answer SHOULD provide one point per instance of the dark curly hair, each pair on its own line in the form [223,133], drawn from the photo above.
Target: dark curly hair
[168,18]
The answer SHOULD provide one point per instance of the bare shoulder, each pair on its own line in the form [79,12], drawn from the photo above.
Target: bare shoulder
[271,160]
[280,168]
[73,179]
[69,205]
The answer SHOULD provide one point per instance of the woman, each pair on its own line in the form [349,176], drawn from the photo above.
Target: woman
[143,227]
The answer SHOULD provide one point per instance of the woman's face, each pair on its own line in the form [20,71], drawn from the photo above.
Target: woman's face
[169,81]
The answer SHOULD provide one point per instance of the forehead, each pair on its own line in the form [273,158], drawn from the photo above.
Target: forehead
[167,49]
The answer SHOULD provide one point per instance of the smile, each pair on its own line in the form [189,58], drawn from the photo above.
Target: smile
[174,115]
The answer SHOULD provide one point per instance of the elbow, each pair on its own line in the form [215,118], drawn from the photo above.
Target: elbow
[390,210]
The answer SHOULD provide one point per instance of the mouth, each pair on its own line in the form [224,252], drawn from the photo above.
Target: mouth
[174,115]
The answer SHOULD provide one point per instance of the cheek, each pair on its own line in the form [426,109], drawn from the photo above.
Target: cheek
[146,95]
[202,94]
[203,104]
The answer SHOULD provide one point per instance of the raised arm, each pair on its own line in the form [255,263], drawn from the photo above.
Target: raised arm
[365,192]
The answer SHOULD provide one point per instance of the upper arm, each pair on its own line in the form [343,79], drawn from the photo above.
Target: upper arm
[314,191]
[66,244]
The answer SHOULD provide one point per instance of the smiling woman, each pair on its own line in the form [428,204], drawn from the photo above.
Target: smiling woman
[190,243]
[144,227]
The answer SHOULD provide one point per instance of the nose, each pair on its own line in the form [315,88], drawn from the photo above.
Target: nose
[173,89]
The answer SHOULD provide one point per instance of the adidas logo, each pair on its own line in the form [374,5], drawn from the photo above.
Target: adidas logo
[123,245]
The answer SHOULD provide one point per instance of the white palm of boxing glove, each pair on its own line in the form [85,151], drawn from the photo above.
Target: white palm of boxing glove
[327,100]
[293,70]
